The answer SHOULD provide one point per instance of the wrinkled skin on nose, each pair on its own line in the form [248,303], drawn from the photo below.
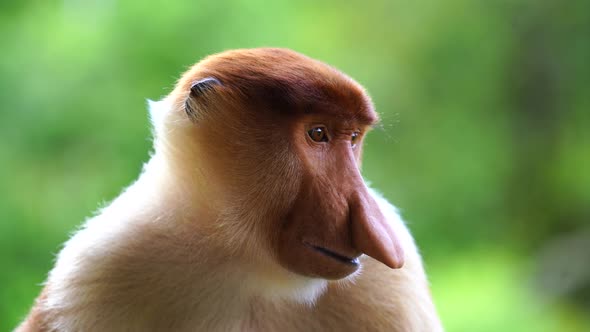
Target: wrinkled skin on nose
[335,219]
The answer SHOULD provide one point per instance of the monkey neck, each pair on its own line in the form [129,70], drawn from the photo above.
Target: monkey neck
[219,258]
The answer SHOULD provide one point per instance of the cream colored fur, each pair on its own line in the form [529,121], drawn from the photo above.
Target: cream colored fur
[150,262]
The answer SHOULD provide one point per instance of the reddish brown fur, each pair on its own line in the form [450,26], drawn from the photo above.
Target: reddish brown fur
[282,81]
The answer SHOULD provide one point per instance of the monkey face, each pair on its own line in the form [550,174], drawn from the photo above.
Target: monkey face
[333,219]
[283,136]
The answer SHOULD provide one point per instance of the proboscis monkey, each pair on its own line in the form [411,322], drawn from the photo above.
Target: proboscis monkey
[251,215]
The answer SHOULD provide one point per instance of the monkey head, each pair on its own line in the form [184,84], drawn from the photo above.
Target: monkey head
[274,141]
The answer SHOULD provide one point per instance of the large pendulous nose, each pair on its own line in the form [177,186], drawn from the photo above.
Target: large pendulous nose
[371,233]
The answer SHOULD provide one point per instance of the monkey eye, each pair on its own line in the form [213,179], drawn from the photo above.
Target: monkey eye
[318,134]
[354,138]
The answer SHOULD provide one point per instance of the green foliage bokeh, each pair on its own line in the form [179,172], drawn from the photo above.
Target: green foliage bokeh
[485,144]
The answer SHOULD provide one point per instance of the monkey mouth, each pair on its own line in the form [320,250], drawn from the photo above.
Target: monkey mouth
[336,256]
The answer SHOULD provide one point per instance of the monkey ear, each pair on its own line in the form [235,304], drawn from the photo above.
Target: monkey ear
[202,86]
[197,94]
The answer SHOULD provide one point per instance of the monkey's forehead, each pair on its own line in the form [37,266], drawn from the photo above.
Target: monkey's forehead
[284,80]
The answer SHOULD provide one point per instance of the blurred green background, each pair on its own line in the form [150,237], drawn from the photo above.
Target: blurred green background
[485,145]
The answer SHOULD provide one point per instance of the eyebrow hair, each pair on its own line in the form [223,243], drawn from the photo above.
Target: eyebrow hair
[360,118]
[371,120]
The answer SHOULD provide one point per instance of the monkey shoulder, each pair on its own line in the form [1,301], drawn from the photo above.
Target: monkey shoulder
[113,272]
